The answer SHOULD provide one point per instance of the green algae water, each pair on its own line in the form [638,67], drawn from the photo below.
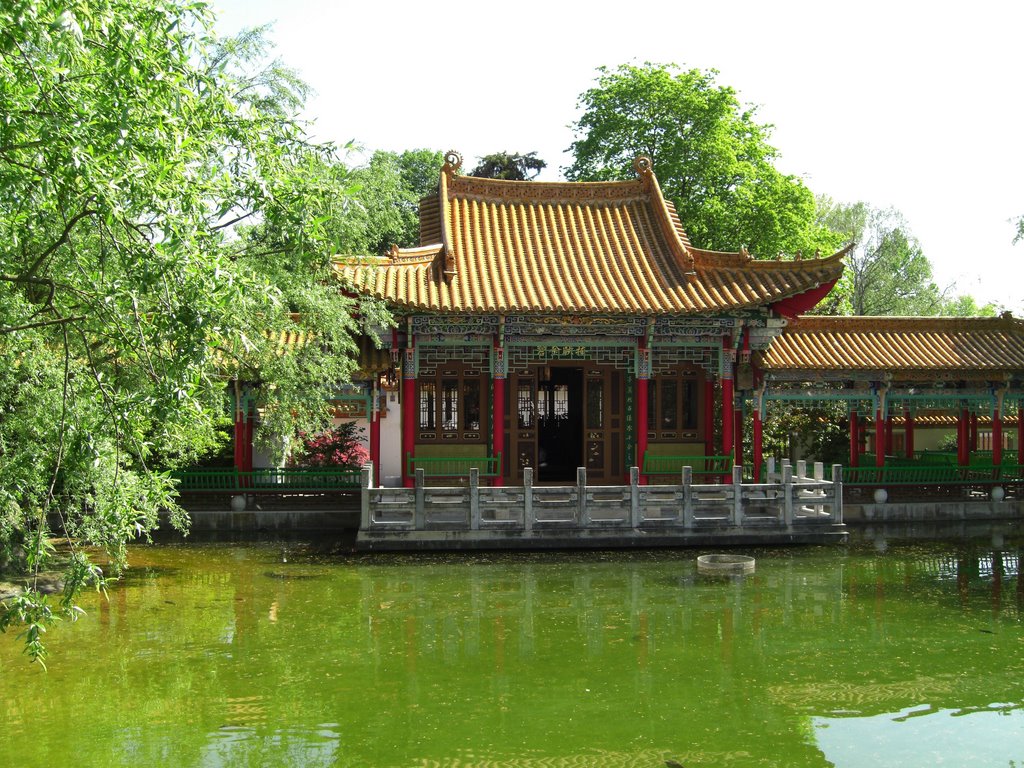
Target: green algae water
[277,655]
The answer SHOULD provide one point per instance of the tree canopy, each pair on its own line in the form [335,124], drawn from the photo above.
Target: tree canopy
[510,166]
[132,149]
[712,158]
[887,272]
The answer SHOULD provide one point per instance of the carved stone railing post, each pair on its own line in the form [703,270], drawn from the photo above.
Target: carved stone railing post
[737,495]
[581,490]
[787,495]
[687,487]
[634,497]
[365,483]
[420,518]
[474,499]
[528,518]
[837,490]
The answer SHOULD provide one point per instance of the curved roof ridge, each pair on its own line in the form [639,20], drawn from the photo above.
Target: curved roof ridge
[706,258]
[679,248]
[906,324]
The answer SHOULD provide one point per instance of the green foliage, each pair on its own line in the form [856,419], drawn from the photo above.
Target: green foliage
[389,193]
[510,166]
[887,273]
[340,446]
[132,146]
[712,158]
[818,430]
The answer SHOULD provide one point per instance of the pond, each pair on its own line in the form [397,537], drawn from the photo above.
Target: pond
[286,654]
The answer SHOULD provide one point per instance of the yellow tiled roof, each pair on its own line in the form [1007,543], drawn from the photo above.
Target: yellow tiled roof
[594,247]
[900,345]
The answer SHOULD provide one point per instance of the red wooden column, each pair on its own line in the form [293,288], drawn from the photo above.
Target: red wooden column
[744,357]
[375,431]
[963,448]
[643,377]
[498,374]
[409,411]
[243,434]
[854,437]
[709,417]
[908,432]
[727,398]
[997,432]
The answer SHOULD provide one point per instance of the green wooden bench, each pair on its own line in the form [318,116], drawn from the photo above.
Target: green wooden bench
[453,466]
[655,466]
[936,474]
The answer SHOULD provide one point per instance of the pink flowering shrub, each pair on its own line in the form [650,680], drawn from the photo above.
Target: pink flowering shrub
[338,447]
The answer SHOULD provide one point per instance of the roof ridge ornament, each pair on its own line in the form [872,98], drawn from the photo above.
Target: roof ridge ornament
[643,166]
[452,162]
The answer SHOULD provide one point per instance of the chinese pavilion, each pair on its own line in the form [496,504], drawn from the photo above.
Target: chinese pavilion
[564,325]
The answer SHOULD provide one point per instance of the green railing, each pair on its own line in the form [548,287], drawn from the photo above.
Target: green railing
[672,466]
[935,474]
[453,466]
[269,480]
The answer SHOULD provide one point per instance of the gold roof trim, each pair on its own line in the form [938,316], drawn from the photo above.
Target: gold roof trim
[901,345]
[564,247]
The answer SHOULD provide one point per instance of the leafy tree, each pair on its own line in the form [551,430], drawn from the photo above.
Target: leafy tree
[131,150]
[340,446]
[712,158]
[386,200]
[887,271]
[510,166]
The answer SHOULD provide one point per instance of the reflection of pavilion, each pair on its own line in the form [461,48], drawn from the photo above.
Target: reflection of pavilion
[800,639]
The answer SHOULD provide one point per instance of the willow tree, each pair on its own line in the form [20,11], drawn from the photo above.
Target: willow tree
[132,147]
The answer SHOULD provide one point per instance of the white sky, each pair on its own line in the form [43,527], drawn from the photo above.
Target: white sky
[916,105]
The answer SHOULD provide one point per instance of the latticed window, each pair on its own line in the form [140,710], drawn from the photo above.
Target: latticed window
[672,406]
[525,404]
[451,406]
[428,405]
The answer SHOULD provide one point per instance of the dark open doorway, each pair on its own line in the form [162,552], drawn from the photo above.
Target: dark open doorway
[560,424]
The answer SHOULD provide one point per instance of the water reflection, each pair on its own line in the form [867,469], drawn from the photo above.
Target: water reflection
[235,656]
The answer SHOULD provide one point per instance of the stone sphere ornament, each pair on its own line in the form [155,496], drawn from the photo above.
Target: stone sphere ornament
[881,496]
[998,494]
[238,503]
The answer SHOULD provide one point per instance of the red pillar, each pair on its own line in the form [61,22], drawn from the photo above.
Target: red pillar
[963,449]
[758,440]
[408,415]
[643,375]
[375,433]
[709,417]
[909,433]
[854,438]
[727,399]
[498,412]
